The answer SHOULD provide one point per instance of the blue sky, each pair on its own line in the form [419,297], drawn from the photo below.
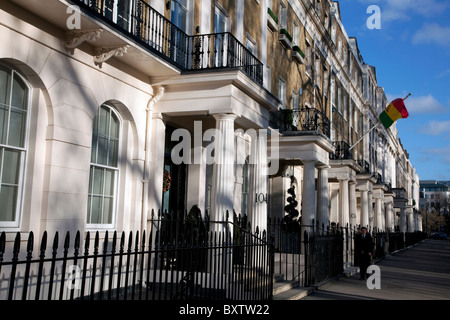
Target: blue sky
[411,54]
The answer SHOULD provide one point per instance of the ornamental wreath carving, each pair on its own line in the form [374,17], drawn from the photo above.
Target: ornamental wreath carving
[167,179]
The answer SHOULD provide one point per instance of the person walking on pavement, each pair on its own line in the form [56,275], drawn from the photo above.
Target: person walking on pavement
[364,248]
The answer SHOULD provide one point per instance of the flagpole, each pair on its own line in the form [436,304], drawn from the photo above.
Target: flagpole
[362,137]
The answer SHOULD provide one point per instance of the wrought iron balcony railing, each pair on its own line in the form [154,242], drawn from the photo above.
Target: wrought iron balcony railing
[146,26]
[365,167]
[399,193]
[302,120]
[342,151]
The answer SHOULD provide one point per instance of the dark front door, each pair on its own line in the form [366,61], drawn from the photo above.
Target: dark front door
[174,180]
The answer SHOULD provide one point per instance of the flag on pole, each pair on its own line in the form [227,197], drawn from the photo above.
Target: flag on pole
[394,111]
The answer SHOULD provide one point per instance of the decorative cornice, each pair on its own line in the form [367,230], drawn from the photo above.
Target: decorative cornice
[103,54]
[74,39]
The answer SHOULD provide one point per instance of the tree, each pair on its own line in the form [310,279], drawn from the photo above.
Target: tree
[291,221]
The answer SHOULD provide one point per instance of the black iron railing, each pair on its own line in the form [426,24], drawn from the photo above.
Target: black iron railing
[179,258]
[365,167]
[142,23]
[306,254]
[304,120]
[399,193]
[342,151]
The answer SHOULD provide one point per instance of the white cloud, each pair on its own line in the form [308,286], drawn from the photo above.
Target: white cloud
[437,128]
[443,153]
[422,104]
[432,33]
[403,10]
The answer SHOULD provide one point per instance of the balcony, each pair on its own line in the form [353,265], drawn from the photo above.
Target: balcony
[151,30]
[285,39]
[342,151]
[365,167]
[272,20]
[399,193]
[298,55]
[302,121]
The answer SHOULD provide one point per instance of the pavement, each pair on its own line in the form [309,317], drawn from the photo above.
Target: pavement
[419,272]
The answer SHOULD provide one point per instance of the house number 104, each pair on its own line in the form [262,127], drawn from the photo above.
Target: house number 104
[260,198]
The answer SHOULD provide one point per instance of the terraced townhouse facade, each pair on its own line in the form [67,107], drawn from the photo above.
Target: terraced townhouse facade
[97,95]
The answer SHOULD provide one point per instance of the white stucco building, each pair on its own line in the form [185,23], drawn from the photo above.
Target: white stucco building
[108,111]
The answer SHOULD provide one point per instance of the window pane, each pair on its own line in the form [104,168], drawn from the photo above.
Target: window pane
[113,153]
[96,212]
[94,146]
[102,151]
[109,183]
[114,127]
[5,79]
[97,186]
[107,210]
[3,123]
[19,94]
[103,122]
[8,200]
[17,124]
[10,167]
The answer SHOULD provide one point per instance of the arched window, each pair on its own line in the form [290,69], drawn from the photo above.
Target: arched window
[104,171]
[14,101]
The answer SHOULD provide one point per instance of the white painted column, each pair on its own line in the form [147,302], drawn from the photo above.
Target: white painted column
[259,192]
[410,220]
[309,195]
[157,162]
[223,172]
[334,202]
[389,202]
[378,216]
[352,203]
[364,208]
[370,208]
[195,193]
[344,216]
[402,221]
[323,198]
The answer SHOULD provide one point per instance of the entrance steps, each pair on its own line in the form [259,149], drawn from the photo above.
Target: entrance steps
[288,290]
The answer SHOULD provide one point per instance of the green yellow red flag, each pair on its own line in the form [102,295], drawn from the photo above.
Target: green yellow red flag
[394,111]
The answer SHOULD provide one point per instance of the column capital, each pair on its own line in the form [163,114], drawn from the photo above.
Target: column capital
[225,116]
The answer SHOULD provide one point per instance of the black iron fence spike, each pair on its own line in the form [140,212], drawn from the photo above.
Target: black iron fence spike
[114,242]
[96,242]
[67,241]
[77,240]
[16,248]
[87,242]
[30,242]
[2,243]
[130,240]
[105,242]
[55,241]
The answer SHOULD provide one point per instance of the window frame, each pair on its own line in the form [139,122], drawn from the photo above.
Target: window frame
[15,224]
[116,175]
[282,94]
